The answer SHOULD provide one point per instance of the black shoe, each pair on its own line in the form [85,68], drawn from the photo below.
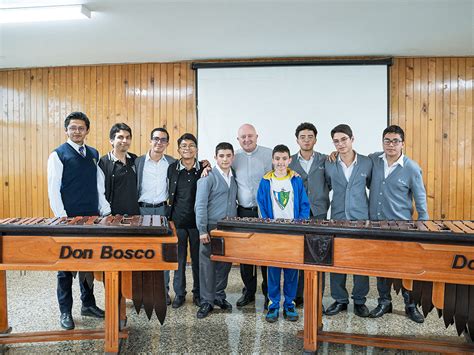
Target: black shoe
[197,301]
[168,299]
[204,310]
[223,304]
[299,301]
[336,308]
[265,304]
[414,314]
[178,301]
[66,321]
[380,310]
[361,310]
[245,299]
[92,311]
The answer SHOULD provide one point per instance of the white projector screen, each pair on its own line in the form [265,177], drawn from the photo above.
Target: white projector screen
[276,99]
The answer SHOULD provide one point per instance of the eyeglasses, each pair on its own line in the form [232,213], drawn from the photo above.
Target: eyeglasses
[394,141]
[185,146]
[159,140]
[343,140]
[77,129]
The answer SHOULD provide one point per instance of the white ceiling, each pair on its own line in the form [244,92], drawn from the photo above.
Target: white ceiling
[161,31]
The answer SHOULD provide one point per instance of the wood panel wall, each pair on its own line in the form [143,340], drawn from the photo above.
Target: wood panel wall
[34,103]
[431,98]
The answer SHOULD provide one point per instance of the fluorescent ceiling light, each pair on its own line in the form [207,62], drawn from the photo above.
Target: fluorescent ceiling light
[44,13]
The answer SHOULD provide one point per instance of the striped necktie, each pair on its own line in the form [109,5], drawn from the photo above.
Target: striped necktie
[81,151]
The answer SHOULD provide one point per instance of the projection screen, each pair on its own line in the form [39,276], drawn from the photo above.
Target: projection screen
[275,99]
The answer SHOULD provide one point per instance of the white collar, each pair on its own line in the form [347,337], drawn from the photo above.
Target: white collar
[223,174]
[195,166]
[252,152]
[339,160]
[147,157]
[399,161]
[113,158]
[300,157]
[75,145]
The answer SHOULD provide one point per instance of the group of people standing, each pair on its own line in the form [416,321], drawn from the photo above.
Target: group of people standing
[251,182]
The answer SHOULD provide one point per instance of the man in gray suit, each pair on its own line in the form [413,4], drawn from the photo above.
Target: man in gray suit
[309,164]
[152,170]
[216,198]
[348,177]
[396,183]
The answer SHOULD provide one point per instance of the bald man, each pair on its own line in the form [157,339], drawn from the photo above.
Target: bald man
[250,165]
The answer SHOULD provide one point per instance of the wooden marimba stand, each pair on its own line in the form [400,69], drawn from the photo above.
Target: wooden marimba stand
[114,245]
[434,259]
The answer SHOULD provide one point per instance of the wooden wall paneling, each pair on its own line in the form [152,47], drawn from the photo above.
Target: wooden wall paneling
[415,123]
[169,106]
[461,142]
[129,76]
[183,76]
[136,102]
[439,139]
[446,102]
[16,159]
[150,98]
[190,101]
[163,122]
[453,146]
[408,125]
[429,173]
[468,170]
[424,122]
[394,88]
[26,144]
[3,146]
[111,112]
[402,93]
[143,115]
[35,163]
[156,99]
[45,138]
[92,109]
[10,144]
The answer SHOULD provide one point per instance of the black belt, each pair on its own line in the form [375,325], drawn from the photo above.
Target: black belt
[151,205]
[254,208]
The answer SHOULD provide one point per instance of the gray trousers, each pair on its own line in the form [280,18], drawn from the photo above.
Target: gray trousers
[179,279]
[359,291]
[162,211]
[385,297]
[213,276]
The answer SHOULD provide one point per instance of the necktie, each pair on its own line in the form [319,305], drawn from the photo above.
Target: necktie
[81,151]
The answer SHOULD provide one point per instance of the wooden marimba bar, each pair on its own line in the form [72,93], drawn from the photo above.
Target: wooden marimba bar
[128,252]
[433,259]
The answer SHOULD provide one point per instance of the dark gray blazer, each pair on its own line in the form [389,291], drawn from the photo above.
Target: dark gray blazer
[314,183]
[140,163]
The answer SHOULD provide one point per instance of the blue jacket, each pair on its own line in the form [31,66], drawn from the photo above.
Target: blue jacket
[264,197]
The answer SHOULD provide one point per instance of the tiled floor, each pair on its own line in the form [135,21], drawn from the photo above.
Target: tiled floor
[33,307]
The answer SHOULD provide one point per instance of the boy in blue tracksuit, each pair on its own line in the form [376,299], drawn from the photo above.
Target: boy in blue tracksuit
[281,194]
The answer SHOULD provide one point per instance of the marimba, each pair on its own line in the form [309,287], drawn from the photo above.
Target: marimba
[131,251]
[434,259]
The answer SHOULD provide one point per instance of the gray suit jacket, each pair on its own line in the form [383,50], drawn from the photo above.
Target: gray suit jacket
[314,183]
[349,199]
[140,163]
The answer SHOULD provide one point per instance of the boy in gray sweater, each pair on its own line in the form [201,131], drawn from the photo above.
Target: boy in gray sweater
[216,198]
[396,183]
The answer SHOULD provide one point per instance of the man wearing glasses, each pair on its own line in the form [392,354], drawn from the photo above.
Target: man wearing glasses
[152,170]
[396,182]
[76,188]
[182,185]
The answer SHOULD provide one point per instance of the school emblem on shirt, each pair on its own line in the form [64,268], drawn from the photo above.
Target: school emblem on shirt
[281,198]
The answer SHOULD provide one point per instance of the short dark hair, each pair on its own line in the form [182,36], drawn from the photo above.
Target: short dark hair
[281,148]
[341,128]
[77,116]
[160,129]
[224,146]
[116,128]
[187,137]
[308,126]
[394,129]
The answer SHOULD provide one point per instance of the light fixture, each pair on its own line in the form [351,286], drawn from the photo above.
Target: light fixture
[44,13]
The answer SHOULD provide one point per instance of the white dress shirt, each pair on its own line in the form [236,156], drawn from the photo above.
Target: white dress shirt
[154,188]
[55,175]
[224,175]
[305,164]
[389,169]
[347,170]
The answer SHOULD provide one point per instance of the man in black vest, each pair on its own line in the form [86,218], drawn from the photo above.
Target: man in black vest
[75,188]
